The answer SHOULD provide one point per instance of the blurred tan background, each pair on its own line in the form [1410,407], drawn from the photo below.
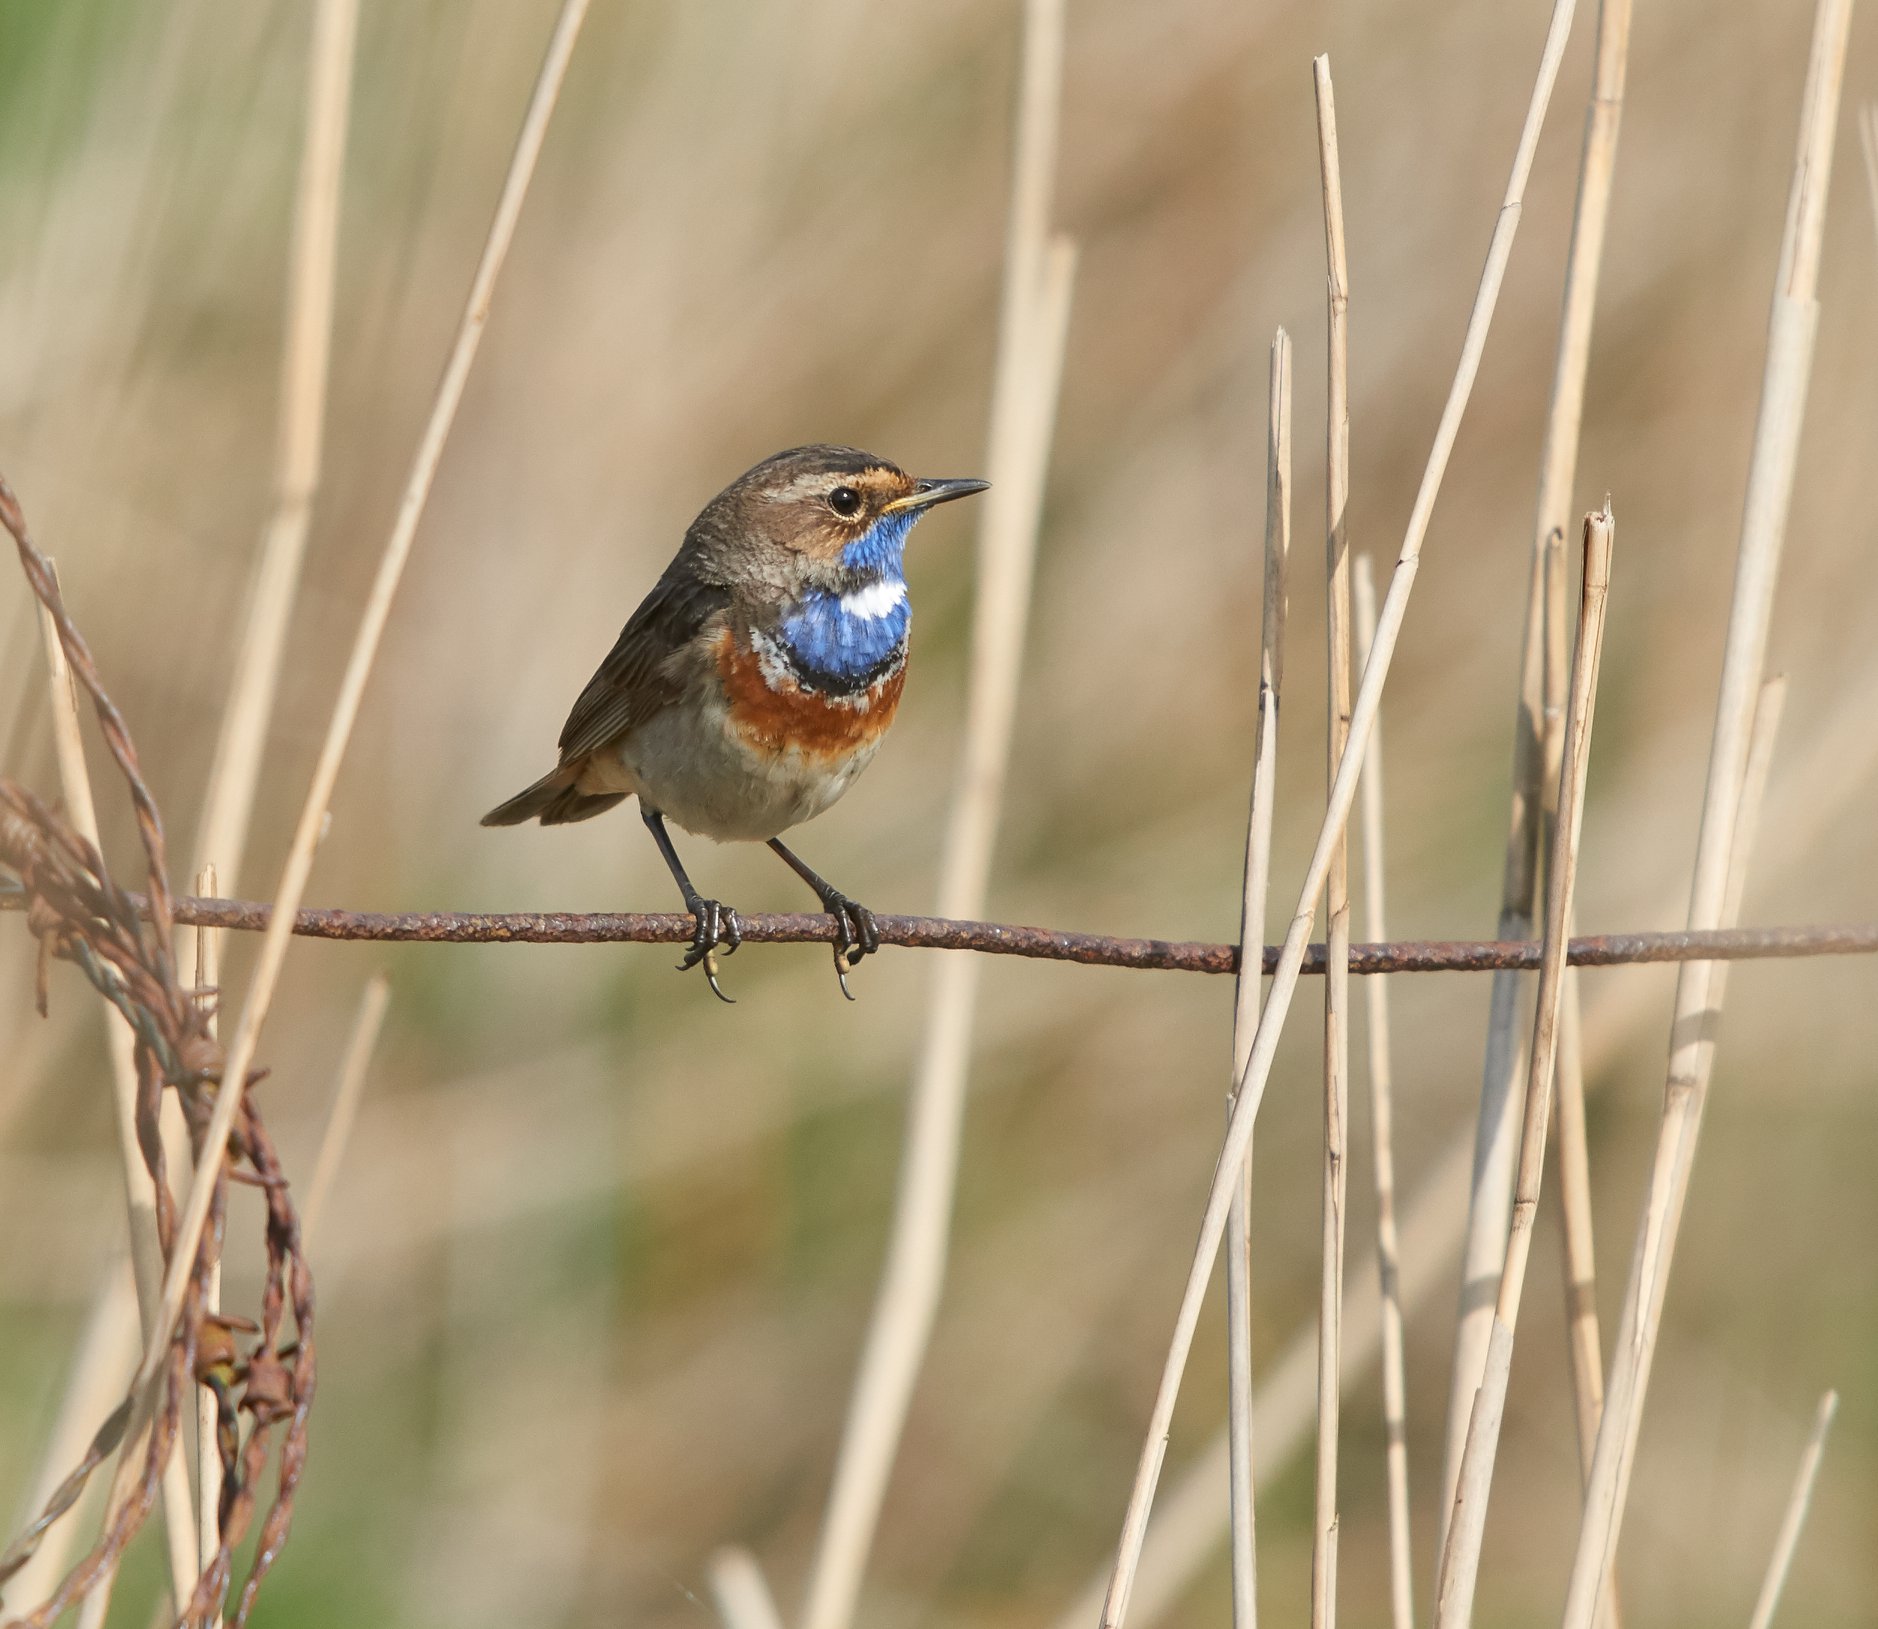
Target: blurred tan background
[602,1250]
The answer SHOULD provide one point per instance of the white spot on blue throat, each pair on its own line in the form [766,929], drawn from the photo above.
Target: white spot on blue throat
[851,635]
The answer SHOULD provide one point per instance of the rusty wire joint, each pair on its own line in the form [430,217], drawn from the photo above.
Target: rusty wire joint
[263,1367]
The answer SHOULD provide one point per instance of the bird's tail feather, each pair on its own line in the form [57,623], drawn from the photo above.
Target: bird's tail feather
[555,800]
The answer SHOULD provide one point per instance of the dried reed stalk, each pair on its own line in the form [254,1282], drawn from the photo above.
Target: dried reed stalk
[1039,275]
[1258,862]
[741,1592]
[364,653]
[146,1253]
[1382,1136]
[1343,792]
[1535,746]
[1794,1519]
[1460,1558]
[353,1066]
[208,979]
[254,672]
[1791,331]
[1336,1180]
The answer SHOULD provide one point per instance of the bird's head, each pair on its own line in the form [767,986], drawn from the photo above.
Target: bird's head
[831,516]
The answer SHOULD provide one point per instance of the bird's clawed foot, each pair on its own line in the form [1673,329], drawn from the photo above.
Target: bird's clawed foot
[718,927]
[855,934]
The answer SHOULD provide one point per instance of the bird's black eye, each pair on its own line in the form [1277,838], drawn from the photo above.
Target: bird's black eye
[845,501]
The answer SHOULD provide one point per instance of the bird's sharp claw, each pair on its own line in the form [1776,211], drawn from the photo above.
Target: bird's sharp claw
[717,929]
[855,936]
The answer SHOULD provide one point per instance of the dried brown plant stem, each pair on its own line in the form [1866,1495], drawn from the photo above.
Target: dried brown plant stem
[139,1189]
[299,865]
[254,673]
[1039,275]
[353,1067]
[1460,1558]
[1535,746]
[1382,1135]
[1336,1178]
[1794,1518]
[207,977]
[1242,1482]
[1342,796]
[1791,331]
[741,1592]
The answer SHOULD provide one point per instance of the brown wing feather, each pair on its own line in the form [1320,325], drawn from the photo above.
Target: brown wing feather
[640,675]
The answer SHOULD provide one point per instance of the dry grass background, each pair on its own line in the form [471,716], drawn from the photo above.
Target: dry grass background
[597,1263]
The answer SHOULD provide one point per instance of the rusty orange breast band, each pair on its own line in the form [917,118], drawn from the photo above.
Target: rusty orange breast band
[773,713]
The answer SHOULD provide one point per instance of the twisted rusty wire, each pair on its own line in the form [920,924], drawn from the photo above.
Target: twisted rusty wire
[122,943]
[1041,944]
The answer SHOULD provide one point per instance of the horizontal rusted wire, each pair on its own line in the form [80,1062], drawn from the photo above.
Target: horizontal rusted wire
[1042,944]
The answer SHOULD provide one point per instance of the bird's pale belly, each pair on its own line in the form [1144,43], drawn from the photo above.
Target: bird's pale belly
[758,754]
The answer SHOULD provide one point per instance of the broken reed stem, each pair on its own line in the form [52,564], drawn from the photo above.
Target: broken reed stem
[1039,275]
[353,1067]
[140,1193]
[1794,1519]
[254,672]
[1343,792]
[207,978]
[1534,769]
[741,1592]
[1337,883]
[1578,1258]
[1460,1558]
[359,665]
[1792,327]
[1382,1137]
[1241,1478]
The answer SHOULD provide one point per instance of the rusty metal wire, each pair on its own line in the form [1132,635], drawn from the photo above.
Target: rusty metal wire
[121,942]
[1042,944]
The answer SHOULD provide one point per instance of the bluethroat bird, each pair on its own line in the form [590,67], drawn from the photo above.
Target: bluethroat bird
[756,680]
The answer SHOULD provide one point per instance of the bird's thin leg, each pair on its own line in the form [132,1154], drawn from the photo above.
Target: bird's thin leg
[717,922]
[855,933]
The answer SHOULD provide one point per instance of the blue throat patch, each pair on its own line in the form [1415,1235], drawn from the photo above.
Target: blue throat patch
[830,641]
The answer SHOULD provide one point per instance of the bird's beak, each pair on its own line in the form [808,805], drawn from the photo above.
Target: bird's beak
[927,493]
